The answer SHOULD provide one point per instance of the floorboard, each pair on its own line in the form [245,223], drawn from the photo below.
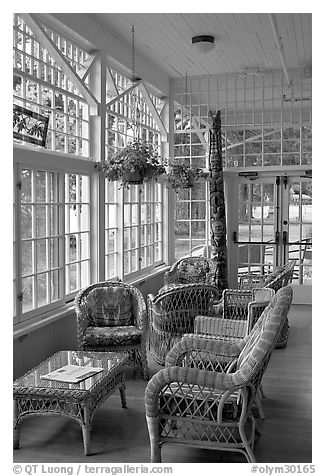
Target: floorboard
[120,435]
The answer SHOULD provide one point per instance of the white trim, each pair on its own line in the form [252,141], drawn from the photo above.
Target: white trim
[39,321]
[57,161]
[45,40]
[122,94]
[154,112]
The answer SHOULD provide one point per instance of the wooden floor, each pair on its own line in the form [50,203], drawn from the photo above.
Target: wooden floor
[120,435]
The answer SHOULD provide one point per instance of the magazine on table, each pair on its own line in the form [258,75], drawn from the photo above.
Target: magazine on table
[72,373]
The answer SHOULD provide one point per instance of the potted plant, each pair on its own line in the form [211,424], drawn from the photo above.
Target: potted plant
[181,175]
[137,162]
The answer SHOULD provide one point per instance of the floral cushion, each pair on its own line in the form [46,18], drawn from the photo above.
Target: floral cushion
[192,271]
[110,306]
[112,336]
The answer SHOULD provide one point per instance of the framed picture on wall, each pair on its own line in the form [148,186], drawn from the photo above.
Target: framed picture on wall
[29,126]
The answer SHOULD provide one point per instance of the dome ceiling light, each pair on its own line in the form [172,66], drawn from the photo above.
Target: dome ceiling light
[203,43]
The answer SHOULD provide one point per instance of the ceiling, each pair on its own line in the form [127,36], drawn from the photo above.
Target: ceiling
[243,41]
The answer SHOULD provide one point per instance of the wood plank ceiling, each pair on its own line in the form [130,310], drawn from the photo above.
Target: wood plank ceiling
[243,41]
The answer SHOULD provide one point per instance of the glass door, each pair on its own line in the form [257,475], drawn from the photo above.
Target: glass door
[297,226]
[275,226]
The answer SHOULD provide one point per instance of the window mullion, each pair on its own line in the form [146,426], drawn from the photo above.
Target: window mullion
[62,232]
[34,234]
[18,263]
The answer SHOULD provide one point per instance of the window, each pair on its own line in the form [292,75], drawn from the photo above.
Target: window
[77,232]
[41,86]
[263,125]
[140,227]
[53,237]
[64,237]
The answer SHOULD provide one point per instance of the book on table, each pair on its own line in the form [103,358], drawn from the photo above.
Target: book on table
[72,373]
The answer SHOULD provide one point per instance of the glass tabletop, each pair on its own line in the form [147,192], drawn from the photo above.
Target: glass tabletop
[109,361]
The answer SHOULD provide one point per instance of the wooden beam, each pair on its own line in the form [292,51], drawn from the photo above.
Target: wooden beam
[119,96]
[46,41]
[200,134]
[153,110]
[250,139]
[110,80]
[84,71]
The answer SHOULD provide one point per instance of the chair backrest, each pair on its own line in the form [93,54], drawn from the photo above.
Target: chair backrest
[260,342]
[179,306]
[281,277]
[109,303]
[235,302]
[191,269]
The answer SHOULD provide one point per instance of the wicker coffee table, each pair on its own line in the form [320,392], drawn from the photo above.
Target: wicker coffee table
[36,396]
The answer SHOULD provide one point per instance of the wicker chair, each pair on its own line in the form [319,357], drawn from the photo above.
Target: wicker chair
[172,312]
[280,277]
[204,396]
[236,314]
[113,316]
[190,269]
[236,322]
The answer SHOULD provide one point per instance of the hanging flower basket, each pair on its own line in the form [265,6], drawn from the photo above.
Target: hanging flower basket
[181,175]
[135,177]
[137,162]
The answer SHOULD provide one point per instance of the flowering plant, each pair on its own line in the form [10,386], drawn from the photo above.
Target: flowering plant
[138,161]
[182,175]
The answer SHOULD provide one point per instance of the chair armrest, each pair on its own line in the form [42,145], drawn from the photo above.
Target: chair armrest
[221,382]
[194,351]
[218,308]
[221,328]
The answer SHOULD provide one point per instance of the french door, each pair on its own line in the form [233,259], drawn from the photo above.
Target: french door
[275,225]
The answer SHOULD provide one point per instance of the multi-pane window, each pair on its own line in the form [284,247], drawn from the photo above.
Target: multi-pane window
[140,229]
[264,122]
[53,237]
[39,238]
[77,232]
[191,218]
[57,231]
[40,85]
[111,229]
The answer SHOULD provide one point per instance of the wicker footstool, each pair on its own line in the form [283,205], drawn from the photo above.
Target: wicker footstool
[34,395]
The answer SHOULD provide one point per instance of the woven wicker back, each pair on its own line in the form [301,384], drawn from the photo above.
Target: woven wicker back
[283,277]
[235,303]
[172,314]
[261,341]
[185,302]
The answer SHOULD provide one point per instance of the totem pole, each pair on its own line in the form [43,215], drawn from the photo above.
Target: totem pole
[217,206]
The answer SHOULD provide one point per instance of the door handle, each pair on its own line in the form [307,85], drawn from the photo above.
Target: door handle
[285,237]
[277,237]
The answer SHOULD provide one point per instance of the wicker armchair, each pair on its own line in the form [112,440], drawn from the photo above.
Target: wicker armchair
[280,277]
[240,312]
[113,316]
[204,396]
[190,269]
[172,312]
[236,314]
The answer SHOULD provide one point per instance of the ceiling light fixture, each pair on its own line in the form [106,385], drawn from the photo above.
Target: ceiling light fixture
[203,43]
